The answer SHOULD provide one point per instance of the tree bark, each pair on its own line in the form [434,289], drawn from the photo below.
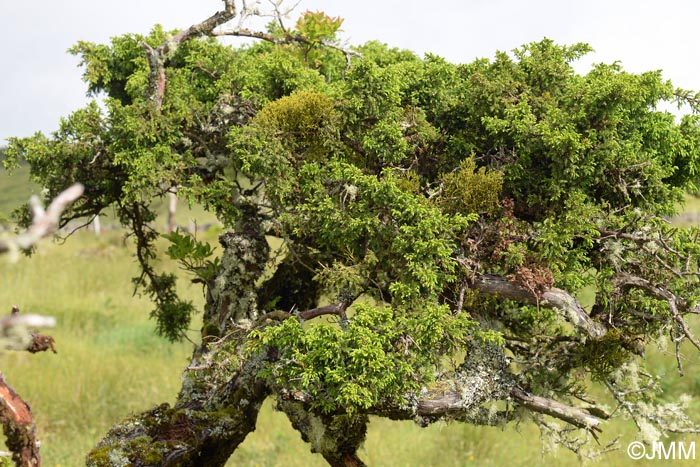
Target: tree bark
[337,438]
[203,428]
[221,394]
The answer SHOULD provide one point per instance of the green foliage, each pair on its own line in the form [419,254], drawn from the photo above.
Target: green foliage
[104,334]
[401,244]
[193,256]
[262,74]
[121,70]
[471,190]
[305,123]
[320,31]
[318,26]
[378,356]
[172,314]
[605,356]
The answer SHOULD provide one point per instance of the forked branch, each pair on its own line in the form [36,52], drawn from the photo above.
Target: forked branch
[44,222]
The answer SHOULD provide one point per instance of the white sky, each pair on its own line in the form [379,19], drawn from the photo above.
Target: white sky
[40,82]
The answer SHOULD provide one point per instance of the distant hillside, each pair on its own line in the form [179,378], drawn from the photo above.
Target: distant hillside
[15,189]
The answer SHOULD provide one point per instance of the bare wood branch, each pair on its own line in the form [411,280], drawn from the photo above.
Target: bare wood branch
[677,305]
[287,39]
[573,415]
[337,309]
[552,298]
[158,56]
[44,222]
[333,309]
[28,320]
[458,400]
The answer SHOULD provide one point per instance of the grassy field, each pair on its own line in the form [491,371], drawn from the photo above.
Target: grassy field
[14,190]
[110,363]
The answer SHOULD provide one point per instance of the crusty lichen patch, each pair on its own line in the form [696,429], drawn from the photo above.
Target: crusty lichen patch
[233,296]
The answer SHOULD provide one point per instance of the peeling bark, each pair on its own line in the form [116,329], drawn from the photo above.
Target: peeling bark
[18,426]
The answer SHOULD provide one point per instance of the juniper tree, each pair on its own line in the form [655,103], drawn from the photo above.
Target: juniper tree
[438,224]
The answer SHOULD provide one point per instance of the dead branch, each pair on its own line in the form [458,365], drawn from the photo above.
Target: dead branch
[573,415]
[158,56]
[555,298]
[337,309]
[288,38]
[333,309]
[44,222]
[459,398]
[28,320]
[15,414]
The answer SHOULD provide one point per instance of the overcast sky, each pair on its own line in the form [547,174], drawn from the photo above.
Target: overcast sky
[40,82]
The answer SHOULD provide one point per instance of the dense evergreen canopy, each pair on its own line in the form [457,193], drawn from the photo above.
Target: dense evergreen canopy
[446,217]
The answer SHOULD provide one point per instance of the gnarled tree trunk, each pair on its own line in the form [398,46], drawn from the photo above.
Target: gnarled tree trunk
[222,394]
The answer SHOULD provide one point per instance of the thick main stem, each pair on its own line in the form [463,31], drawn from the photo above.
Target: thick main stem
[221,395]
[337,438]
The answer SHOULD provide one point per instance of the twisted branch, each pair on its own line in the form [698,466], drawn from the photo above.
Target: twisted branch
[555,298]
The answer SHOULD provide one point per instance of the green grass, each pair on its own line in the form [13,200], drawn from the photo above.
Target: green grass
[110,363]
